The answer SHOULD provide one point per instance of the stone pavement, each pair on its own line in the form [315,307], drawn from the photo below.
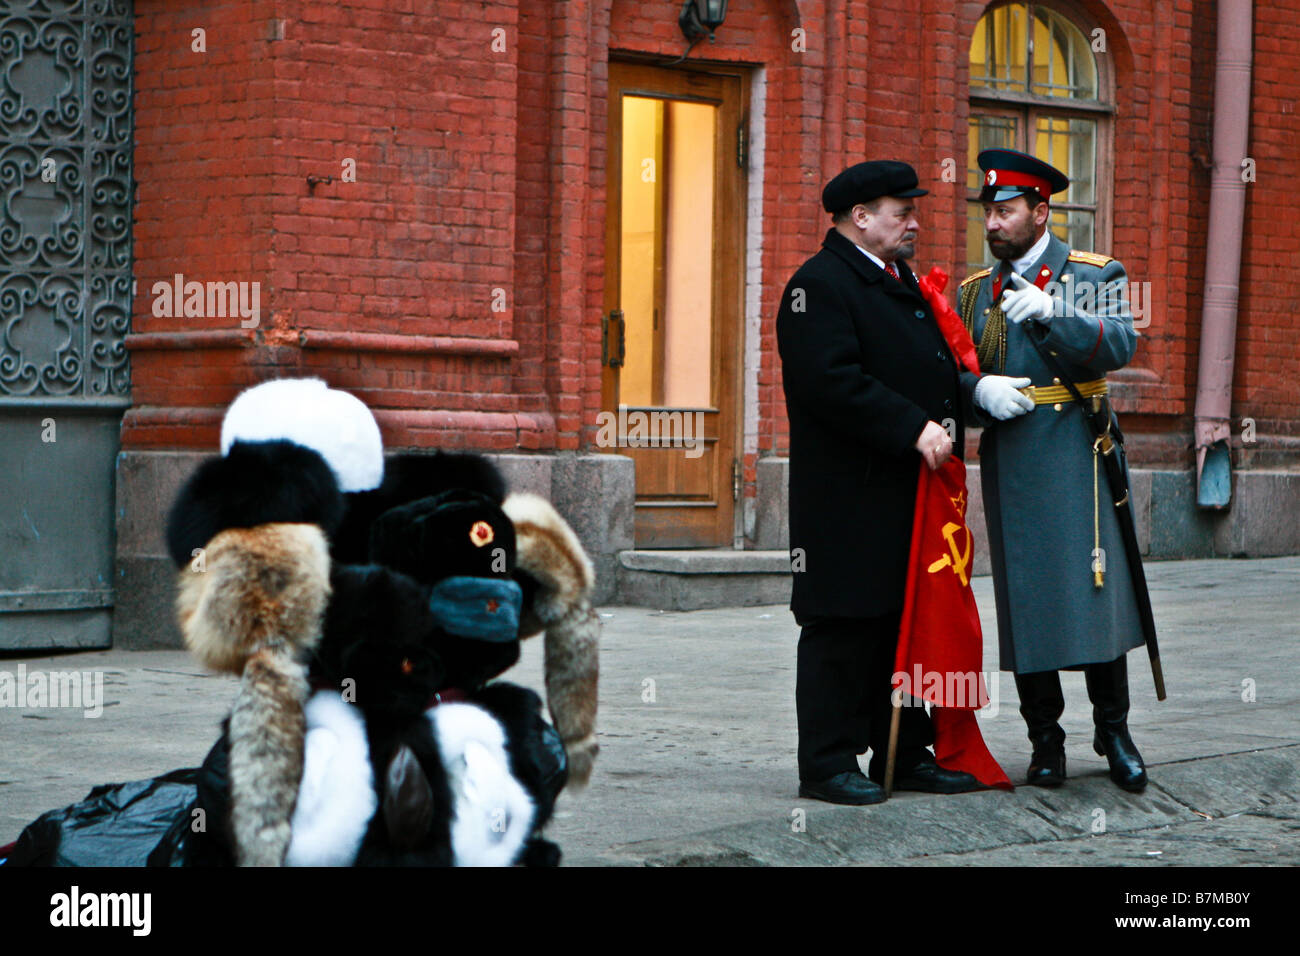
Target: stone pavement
[697,730]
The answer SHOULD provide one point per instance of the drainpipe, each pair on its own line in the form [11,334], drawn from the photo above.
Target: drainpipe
[1223,254]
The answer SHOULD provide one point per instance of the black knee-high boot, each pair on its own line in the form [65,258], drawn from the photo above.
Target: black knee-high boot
[1108,691]
[1041,704]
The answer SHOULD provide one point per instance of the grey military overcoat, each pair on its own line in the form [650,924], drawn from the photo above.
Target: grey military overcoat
[1036,472]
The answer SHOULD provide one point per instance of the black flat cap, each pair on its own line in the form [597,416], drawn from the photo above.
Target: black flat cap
[867,181]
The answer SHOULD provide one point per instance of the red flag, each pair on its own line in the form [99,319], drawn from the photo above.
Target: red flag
[950,323]
[940,643]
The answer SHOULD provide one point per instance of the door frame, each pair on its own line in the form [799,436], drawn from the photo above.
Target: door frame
[728,86]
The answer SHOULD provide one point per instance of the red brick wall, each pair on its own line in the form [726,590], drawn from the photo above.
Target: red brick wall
[482,169]
[385,285]
[204,175]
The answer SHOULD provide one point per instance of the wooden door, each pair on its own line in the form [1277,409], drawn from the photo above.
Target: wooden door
[672,329]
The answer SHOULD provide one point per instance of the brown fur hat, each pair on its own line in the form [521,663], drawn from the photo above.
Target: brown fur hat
[254,589]
[252,604]
[249,530]
[548,552]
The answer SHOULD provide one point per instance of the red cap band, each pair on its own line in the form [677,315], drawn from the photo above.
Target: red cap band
[1009,177]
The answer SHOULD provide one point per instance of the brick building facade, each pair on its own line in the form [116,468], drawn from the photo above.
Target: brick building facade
[422,192]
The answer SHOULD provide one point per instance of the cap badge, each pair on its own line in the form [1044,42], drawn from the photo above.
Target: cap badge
[481,534]
[991,178]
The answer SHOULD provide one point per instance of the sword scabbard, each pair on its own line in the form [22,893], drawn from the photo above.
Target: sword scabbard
[1158,673]
[1105,444]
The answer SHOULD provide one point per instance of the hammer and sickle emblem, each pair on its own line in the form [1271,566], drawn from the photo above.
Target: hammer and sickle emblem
[958,561]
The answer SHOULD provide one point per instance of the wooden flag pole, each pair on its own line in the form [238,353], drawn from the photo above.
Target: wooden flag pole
[893,742]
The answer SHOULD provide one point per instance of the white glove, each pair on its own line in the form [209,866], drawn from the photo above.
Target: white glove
[1026,301]
[998,395]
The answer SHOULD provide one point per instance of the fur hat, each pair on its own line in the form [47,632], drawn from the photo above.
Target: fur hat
[253,607]
[460,544]
[458,533]
[304,463]
[379,643]
[253,601]
[407,478]
[306,411]
[255,483]
[558,577]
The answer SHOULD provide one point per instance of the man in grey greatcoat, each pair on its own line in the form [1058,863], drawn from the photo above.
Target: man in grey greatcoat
[1065,599]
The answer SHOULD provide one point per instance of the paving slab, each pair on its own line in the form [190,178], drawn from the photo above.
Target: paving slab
[698,737]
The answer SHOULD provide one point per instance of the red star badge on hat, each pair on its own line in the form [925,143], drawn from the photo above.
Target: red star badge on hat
[481,533]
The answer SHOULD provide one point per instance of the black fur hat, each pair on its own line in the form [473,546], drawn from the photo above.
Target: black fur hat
[379,642]
[459,533]
[255,483]
[408,477]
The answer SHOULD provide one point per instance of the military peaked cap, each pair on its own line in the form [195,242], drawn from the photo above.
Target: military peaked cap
[1009,173]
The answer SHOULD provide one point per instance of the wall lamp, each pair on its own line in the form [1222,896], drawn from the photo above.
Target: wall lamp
[700,17]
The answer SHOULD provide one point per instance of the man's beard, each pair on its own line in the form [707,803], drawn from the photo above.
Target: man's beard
[1011,248]
[905,250]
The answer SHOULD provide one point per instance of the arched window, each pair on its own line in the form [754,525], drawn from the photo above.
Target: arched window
[1036,86]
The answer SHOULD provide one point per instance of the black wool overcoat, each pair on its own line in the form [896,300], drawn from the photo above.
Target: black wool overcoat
[864,368]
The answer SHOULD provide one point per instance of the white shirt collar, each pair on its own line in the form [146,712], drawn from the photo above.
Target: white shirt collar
[1033,255]
[876,259]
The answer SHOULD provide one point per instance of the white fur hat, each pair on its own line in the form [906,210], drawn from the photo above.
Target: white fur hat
[334,424]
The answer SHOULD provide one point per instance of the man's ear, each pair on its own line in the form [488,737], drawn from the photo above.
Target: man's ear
[1041,212]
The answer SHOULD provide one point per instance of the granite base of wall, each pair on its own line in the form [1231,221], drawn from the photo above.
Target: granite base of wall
[1263,520]
[594,493]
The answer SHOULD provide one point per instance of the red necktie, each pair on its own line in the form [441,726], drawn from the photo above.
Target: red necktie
[889,267]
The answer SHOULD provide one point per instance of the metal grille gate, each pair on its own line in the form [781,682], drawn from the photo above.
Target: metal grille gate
[65,309]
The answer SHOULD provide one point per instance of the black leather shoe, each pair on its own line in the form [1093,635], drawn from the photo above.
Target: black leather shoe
[1108,690]
[1126,767]
[851,788]
[1045,770]
[1041,704]
[928,777]
[1047,765]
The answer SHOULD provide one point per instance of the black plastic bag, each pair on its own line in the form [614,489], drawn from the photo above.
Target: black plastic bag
[117,824]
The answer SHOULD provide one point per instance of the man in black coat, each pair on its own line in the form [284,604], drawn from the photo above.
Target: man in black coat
[872,390]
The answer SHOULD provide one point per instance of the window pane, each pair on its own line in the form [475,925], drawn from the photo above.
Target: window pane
[977,250]
[1063,63]
[666,252]
[986,132]
[688,254]
[999,49]
[1073,227]
[642,237]
[1071,146]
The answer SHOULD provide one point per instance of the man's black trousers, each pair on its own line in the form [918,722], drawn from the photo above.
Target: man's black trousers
[842,697]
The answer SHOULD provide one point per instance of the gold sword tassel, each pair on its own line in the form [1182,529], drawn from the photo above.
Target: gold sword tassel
[1098,574]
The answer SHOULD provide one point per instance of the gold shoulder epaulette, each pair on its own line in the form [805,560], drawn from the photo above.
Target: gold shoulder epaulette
[1092,258]
[975,277]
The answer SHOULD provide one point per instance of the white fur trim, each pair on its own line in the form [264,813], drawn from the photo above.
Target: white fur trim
[493,812]
[336,425]
[336,798]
